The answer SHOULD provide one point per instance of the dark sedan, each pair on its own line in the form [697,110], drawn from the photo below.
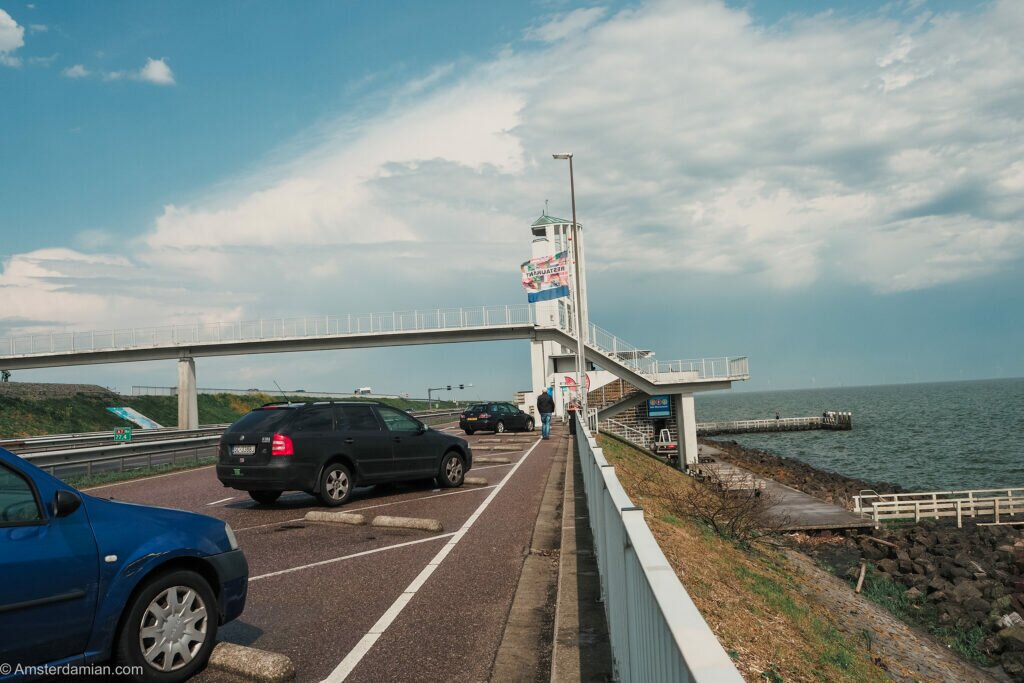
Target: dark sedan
[495,417]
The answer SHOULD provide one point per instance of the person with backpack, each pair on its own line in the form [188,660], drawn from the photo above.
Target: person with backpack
[545,406]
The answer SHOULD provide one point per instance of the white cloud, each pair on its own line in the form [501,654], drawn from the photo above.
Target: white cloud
[12,37]
[867,150]
[156,71]
[38,28]
[76,71]
[566,25]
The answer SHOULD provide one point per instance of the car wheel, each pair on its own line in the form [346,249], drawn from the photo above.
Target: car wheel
[170,628]
[529,425]
[499,428]
[468,431]
[265,497]
[453,471]
[335,485]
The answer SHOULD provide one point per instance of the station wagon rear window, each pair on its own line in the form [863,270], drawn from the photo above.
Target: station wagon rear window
[262,420]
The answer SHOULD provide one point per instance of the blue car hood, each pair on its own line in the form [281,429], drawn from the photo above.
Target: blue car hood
[132,530]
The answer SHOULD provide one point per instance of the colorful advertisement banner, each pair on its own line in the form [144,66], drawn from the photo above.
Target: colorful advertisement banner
[659,406]
[546,277]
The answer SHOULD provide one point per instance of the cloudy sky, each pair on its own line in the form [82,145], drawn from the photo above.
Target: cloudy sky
[834,189]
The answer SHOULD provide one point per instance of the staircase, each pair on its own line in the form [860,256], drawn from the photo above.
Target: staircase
[610,394]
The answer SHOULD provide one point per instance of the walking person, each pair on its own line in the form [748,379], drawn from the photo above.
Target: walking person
[545,406]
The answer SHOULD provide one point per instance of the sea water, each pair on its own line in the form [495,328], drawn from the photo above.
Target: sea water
[926,437]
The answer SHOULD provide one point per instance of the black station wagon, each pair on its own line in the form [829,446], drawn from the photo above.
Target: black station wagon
[495,417]
[328,448]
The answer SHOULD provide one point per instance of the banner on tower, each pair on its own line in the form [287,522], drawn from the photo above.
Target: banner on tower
[546,277]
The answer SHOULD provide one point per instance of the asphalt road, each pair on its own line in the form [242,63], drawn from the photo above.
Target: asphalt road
[363,603]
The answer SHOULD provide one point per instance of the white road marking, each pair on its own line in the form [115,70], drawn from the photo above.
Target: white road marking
[367,642]
[222,500]
[488,467]
[348,557]
[370,507]
[141,479]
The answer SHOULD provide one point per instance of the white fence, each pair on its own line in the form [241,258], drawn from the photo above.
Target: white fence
[995,503]
[656,632]
[436,319]
[630,434]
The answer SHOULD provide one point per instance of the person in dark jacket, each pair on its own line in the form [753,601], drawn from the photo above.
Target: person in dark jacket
[545,406]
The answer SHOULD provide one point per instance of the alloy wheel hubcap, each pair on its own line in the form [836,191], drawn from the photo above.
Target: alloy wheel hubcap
[454,469]
[337,484]
[173,628]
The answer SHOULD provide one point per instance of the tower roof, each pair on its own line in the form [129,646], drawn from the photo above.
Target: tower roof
[549,220]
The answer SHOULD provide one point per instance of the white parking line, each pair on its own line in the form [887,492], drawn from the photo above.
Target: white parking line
[370,507]
[367,642]
[222,500]
[348,557]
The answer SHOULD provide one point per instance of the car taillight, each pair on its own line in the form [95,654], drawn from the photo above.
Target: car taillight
[281,445]
[484,416]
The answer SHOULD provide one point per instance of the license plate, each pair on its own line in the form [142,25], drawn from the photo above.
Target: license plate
[243,450]
[470,419]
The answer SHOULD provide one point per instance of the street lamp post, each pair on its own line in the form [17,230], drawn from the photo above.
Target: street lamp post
[581,324]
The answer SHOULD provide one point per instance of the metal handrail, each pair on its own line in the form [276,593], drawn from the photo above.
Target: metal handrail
[631,434]
[656,632]
[599,340]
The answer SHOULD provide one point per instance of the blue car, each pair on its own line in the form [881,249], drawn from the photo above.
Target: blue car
[85,580]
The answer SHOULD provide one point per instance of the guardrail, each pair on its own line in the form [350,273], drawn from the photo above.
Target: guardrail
[935,504]
[90,457]
[656,632]
[32,444]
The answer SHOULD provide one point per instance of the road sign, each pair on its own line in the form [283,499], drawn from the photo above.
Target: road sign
[123,434]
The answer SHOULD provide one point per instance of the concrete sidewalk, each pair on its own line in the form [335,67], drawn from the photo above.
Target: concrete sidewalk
[582,651]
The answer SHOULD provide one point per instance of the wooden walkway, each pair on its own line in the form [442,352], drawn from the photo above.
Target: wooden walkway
[792,510]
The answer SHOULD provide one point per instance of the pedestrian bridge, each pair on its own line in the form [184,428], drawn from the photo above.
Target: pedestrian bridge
[432,326]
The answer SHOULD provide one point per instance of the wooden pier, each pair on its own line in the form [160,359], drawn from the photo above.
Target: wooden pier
[831,419]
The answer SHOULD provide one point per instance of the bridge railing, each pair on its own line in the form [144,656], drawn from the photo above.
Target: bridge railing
[618,350]
[643,361]
[272,328]
[656,632]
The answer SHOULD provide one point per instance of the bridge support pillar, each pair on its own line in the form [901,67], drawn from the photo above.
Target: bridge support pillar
[188,399]
[686,427]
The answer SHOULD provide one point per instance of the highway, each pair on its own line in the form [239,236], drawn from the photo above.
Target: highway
[365,603]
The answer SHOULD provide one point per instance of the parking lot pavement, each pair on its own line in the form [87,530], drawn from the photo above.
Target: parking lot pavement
[317,589]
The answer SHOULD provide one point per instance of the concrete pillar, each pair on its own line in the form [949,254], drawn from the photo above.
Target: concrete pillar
[686,428]
[188,399]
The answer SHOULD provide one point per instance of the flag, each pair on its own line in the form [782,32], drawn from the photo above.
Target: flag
[546,277]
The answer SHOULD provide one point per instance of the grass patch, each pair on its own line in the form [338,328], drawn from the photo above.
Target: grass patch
[83,481]
[85,412]
[925,615]
[752,598]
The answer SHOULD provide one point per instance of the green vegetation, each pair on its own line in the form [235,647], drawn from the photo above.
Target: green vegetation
[759,606]
[84,482]
[918,612]
[88,412]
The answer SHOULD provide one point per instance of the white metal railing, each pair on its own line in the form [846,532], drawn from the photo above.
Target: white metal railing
[997,507]
[275,328]
[600,340]
[868,498]
[656,632]
[643,362]
[631,434]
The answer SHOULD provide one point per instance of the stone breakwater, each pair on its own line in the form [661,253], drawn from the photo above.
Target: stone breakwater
[970,580]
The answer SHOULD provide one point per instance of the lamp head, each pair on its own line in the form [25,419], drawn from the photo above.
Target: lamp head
[563,155]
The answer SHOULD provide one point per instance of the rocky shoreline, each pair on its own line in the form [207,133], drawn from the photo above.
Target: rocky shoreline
[966,584]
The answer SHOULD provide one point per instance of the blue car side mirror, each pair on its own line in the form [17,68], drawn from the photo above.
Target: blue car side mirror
[65,502]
